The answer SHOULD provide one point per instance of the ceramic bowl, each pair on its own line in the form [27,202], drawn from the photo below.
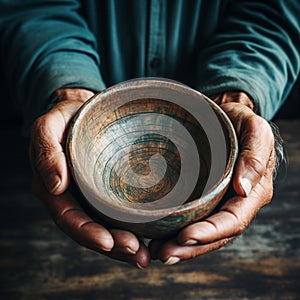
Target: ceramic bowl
[151,156]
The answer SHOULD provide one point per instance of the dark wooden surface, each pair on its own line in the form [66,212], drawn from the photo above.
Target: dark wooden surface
[39,262]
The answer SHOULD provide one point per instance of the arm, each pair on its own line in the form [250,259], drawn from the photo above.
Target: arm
[251,65]
[50,51]
[256,50]
[46,45]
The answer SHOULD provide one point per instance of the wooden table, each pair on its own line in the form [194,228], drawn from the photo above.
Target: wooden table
[39,262]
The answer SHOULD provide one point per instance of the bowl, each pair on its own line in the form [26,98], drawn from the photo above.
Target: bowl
[151,155]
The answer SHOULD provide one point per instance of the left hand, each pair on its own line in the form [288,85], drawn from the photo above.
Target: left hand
[252,183]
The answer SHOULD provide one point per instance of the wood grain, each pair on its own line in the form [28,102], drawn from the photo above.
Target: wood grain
[135,158]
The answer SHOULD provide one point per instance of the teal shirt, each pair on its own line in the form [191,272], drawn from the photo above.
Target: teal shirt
[213,46]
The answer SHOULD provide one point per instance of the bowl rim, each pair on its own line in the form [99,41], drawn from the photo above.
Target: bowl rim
[222,182]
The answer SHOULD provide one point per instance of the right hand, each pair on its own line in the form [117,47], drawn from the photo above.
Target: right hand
[51,178]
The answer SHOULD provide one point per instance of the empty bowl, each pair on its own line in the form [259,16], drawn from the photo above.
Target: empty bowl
[151,156]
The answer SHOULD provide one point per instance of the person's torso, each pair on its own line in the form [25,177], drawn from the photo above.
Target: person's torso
[152,38]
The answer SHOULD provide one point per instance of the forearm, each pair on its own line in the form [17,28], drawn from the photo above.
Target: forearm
[256,50]
[48,46]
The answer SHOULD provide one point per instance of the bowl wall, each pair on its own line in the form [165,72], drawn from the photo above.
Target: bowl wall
[148,164]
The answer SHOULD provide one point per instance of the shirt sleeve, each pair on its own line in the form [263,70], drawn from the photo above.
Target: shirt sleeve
[46,45]
[256,50]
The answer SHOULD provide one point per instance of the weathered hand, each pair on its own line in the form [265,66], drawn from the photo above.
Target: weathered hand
[252,182]
[51,179]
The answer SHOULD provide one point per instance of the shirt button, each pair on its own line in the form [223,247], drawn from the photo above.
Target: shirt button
[155,63]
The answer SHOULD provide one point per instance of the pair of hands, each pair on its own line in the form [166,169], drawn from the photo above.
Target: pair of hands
[252,183]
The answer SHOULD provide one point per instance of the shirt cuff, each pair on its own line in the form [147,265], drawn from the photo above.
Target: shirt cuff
[79,72]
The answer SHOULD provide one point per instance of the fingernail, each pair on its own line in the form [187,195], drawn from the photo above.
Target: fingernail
[129,250]
[126,250]
[190,242]
[105,249]
[246,186]
[139,266]
[53,182]
[172,260]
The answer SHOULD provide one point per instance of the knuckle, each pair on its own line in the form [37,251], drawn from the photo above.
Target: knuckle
[38,125]
[42,148]
[257,121]
[241,227]
[240,222]
[44,157]
[59,219]
[256,165]
[70,217]
[214,225]
[258,124]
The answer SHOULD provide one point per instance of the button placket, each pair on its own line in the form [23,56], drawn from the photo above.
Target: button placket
[155,63]
[156,38]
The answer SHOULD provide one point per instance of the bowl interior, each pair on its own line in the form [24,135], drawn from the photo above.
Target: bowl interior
[145,156]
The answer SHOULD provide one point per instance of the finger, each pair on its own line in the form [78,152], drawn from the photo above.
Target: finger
[71,219]
[215,231]
[238,97]
[171,252]
[256,146]
[125,241]
[141,259]
[47,154]
[232,218]
[81,228]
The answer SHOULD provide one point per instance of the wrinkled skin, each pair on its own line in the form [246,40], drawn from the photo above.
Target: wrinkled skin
[252,182]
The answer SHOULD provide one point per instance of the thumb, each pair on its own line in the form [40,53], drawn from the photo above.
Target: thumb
[256,148]
[48,132]
[46,152]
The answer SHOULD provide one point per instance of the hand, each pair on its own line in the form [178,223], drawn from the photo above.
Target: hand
[252,182]
[51,179]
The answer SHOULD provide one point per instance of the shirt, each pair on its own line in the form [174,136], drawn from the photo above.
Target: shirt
[213,46]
